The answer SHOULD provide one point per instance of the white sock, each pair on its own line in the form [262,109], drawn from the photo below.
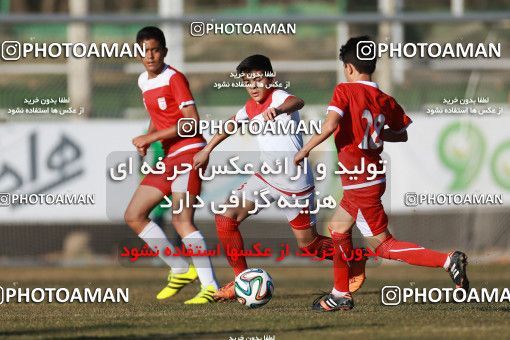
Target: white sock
[338,293]
[447,262]
[203,265]
[156,239]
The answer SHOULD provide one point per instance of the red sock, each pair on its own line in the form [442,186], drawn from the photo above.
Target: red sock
[230,238]
[343,245]
[321,244]
[411,253]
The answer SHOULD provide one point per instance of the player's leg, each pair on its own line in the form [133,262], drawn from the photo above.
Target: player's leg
[136,216]
[185,189]
[192,238]
[303,223]
[386,246]
[227,224]
[229,235]
[340,297]
[310,241]
[227,227]
[373,223]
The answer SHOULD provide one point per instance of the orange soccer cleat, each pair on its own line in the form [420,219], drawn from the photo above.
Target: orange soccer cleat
[225,293]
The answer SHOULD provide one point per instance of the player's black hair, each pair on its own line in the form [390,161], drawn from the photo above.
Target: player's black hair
[255,62]
[151,32]
[349,55]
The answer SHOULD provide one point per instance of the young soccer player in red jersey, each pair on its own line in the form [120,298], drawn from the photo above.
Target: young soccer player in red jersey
[362,117]
[269,104]
[167,98]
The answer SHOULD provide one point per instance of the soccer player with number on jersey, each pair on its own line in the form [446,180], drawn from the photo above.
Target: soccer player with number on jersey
[167,98]
[362,117]
[268,105]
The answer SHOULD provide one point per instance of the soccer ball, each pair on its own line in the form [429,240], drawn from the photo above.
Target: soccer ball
[254,287]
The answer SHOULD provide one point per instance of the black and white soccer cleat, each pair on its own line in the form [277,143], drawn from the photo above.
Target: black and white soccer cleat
[457,269]
[330,303]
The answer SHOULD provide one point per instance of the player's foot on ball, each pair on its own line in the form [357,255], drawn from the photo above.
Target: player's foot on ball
[357,274]
[226,293]
[330,303]
[176,282]
[457,269]
[204,296]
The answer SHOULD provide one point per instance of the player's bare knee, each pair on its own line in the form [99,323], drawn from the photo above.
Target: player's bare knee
[183,225]
[129,216]
[133,219]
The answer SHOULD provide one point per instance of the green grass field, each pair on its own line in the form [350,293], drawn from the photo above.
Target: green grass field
[287,315]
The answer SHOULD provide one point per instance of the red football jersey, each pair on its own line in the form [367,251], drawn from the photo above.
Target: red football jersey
[164,96]
[365,111]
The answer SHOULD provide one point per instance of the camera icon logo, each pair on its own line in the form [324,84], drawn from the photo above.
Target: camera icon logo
[187,127]
[411,199]
[391,295]
[197,29]
[366,50]
[11,50]
[5,199]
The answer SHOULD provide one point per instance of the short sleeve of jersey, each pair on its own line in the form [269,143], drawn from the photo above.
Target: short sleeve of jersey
[279,97]
[180,90]
[241,114]
[340,101]
[141,79]
[398,121]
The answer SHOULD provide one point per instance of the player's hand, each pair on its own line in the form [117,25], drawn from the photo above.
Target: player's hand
[142,141]
[300,155]
[201,159]
[142,151]
[270,113]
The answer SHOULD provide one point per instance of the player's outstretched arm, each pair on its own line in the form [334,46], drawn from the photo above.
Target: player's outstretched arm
[391,136]
[291,104]
[330,125]
[202,157]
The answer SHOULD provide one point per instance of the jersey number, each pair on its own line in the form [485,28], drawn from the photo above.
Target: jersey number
[372,141]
